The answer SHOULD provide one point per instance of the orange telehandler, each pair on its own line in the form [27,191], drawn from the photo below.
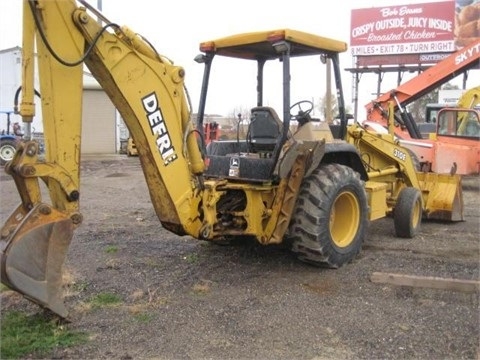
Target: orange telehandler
[308,190]
[456,151]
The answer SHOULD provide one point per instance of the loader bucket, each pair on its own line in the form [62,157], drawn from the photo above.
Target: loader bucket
[443,197]
[32,255]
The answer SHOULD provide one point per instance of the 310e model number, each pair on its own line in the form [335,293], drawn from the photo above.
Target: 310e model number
[399,154]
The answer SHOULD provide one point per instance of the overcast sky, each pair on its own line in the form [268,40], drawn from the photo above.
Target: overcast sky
[176,28]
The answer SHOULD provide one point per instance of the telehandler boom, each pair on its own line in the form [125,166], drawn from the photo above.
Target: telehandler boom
[457,151]
[308,190]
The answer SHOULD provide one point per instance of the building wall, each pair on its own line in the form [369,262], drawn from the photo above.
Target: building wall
[10,80]
[99,124]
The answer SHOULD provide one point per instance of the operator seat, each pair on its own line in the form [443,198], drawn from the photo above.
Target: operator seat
[265,129]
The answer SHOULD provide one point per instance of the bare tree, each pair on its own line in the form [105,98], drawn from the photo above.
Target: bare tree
[417,108]
[322,107]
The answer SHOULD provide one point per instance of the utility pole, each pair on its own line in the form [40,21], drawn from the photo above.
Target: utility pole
[99,7]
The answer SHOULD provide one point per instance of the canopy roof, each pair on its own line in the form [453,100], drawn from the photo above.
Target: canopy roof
[256,45]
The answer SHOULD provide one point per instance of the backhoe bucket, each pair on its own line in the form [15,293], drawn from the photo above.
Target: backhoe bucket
[443,196]
[33,252]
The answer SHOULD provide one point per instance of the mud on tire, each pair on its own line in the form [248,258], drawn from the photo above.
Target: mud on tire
[331,217]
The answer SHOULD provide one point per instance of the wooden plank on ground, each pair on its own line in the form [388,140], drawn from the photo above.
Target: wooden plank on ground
[466,286]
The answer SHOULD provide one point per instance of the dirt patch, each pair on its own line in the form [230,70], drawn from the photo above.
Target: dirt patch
[188,299]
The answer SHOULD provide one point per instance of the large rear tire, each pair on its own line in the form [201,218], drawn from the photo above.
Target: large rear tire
[7,150]
[330,218]
[407,215]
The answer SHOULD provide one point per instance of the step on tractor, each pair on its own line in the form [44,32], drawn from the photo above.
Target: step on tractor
[314,190]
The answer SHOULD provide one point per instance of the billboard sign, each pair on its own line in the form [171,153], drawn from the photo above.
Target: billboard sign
[403,29]
[403,59]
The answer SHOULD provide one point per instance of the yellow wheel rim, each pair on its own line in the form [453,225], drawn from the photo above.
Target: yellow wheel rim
[417,210]
[344,219]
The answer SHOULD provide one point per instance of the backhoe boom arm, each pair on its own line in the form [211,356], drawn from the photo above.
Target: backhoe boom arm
[147,90]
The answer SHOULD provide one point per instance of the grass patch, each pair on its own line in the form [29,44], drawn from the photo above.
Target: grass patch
[191,258]
[111,249]
[105,299]
[3,288]
[143,317]
[36,334]
[79,287]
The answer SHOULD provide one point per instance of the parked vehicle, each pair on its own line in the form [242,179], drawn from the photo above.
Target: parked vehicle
[9,140]
[458,151]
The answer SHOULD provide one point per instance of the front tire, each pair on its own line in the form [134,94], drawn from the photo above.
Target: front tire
[7,150]
[331,217]
[407,215]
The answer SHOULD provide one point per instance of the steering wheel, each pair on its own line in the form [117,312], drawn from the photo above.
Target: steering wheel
[301,113]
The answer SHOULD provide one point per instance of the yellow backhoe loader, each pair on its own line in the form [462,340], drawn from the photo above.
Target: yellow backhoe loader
[314,190]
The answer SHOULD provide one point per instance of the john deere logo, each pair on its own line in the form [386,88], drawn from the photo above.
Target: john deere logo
[234,162]
[234,167]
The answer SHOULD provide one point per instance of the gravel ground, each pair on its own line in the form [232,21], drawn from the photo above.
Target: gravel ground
[188,299]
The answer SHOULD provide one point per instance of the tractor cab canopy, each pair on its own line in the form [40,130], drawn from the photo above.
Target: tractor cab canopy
[270,45]
[262,46]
